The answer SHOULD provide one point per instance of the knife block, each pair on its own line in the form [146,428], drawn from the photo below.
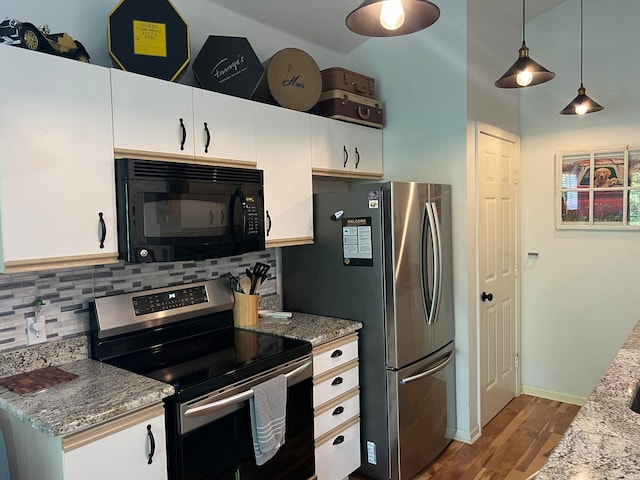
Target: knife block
[245,309]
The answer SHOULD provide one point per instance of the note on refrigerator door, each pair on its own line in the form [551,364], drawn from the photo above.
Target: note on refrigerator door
[357,246]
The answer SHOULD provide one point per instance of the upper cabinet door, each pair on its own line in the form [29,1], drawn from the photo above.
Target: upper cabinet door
[330,145]
[345,149]
[283,139]
[366,150]
[57,168]
[224,128]
[151,116]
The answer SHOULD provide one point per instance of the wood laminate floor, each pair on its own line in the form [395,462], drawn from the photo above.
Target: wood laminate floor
[514,444]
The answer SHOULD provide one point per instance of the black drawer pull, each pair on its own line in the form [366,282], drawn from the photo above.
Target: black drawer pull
[184,134]
[338,410]
[336,353]
[337,381]
[153,445]
[103,229]
[206,145]
[339,439]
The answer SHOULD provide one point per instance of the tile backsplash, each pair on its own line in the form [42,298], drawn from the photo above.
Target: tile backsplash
[67,292]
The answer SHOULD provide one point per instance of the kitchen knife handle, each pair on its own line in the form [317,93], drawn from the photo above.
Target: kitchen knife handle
[103,229]
[337,381]
[345,155]
[183,130]
[336,353]
[206,145]
[152,442]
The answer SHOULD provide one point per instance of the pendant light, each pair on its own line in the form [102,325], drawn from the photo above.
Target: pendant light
[582,103]
[390,18]
[525,72]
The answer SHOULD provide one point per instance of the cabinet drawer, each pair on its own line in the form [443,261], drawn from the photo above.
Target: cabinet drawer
[339,454]
[332,414]
[335,383]
[334,354]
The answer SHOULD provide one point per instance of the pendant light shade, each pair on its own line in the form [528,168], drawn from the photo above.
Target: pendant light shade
[390,18]
[525,72]
[582,103]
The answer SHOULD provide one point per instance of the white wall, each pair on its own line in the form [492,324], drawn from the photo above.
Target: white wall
[580,298]
[422,80]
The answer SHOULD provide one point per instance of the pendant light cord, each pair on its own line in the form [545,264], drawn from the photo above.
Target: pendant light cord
[581,39]
[523,21]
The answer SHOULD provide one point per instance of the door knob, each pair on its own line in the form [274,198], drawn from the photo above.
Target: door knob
[486,296]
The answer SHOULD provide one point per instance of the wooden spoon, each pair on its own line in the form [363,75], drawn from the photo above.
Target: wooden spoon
[245,284]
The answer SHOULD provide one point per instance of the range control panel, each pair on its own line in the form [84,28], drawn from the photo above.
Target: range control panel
[180,297]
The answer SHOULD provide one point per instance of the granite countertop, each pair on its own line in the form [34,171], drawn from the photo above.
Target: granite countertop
[603,441]
[100,393]
[316,329]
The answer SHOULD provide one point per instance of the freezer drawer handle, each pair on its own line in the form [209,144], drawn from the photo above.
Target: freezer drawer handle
[431,371]
[336,381]
[336,353]
[338,411]
[339,439]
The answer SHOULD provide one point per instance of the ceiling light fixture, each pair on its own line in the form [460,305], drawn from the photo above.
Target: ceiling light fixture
[525,72]
[390,18]
[582,103]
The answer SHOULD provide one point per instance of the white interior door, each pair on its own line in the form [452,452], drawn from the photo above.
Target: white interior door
[498,163]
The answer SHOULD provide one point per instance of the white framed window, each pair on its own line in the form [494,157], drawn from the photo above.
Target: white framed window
[598,189]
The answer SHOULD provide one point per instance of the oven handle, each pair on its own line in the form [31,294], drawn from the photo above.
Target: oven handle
[237,398]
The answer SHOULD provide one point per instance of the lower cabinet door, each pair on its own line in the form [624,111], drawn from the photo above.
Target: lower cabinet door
[338,454]
[137,451]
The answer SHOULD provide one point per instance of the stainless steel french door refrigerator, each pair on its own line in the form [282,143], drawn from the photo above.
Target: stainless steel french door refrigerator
[382,256]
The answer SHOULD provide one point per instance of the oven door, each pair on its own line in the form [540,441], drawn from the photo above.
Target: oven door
[213,438]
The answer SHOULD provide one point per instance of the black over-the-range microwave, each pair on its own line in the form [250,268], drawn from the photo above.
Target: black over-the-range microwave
[172,211]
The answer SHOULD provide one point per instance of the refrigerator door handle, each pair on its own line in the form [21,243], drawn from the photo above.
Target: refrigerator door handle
[438,267]
[431,310]
[431,371]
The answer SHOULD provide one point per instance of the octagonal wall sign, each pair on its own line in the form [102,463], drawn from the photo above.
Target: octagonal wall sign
[228,65]
[149,37]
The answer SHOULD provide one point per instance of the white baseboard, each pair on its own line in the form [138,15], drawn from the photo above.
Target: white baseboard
[550,395]
[467,436]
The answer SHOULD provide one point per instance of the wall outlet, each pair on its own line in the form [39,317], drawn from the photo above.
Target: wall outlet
[36,331]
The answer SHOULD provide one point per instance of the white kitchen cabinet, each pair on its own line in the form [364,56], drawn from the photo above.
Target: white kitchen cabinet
[336,408]
[119,448]
[151,116]
[56,163]
[345,149]
[283,147]
[231,126]
[154,118]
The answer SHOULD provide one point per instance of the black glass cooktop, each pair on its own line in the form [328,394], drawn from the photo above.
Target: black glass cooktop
[209,361]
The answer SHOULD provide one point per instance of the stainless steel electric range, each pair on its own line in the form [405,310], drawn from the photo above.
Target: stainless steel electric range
[184,335]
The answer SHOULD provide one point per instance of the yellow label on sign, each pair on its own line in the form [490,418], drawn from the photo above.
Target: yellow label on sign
[149,38]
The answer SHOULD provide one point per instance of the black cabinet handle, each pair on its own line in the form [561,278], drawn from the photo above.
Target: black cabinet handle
[337,381]
[336,353]
[206,146]
[346,156]
[103,229]
[152,441]
[269,221]
[357,158]
[339,439]
[184,134]
[338,410]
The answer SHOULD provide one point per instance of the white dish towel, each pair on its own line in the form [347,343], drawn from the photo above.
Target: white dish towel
[268,408]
